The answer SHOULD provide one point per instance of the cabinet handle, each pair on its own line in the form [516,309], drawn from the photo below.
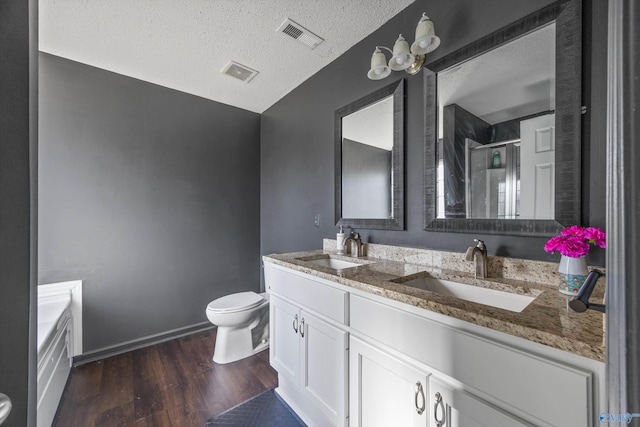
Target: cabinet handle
[295,323]
[420,392]
[302,328]
[439,404]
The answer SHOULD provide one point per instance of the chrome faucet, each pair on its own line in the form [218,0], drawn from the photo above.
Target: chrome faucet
[478,254]
[355,238]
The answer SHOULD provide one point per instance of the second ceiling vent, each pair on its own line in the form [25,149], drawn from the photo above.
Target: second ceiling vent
[299,33]
[239,71]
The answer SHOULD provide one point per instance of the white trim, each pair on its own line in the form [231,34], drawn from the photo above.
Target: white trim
[74,288]
[622,205]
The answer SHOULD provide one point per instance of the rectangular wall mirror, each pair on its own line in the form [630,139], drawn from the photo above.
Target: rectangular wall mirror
[369,160]
[502,129]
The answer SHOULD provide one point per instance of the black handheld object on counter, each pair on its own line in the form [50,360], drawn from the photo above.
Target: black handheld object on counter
[580,302]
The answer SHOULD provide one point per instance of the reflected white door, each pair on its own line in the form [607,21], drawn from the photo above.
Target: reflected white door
[537,168]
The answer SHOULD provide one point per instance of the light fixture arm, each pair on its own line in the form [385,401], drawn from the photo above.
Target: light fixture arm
[385,48]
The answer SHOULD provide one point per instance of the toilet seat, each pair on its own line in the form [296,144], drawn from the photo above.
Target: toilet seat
[235,302]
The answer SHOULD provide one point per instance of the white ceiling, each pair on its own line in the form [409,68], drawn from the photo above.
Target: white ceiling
[372,125]
[513,80]
[184,45]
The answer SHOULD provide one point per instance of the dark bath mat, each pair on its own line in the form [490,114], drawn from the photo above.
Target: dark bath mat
[264,410]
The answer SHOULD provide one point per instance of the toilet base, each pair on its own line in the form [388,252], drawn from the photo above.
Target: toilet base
[234,343]
[222,355]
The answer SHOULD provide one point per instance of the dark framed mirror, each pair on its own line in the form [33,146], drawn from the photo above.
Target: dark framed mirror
[369,160]
[502,154]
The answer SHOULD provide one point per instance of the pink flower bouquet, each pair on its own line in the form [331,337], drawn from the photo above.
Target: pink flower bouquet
[574,241]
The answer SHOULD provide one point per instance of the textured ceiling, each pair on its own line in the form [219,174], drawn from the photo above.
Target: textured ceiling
[184,45]
[372,125]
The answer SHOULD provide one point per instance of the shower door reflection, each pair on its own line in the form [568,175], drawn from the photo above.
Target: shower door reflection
[492,179]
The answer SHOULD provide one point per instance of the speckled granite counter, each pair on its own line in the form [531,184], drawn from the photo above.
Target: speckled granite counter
[547,320]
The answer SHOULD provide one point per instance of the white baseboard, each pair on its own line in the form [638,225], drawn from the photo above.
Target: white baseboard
[114,350]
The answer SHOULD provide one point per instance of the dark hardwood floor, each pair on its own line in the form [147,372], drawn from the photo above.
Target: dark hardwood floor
[172,384]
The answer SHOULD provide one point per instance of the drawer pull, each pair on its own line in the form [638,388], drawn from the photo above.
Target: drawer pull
[295,323]
[439,404]
[302,328]
[419,393]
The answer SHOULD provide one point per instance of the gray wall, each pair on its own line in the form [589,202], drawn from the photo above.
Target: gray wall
[297,135]
[366,181]
[149,195]
[18,142]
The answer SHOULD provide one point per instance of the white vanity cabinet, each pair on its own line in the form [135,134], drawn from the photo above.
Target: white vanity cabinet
[481,382]
[452,406]
[348,357]
[385,391]
[284,350]
[309,349]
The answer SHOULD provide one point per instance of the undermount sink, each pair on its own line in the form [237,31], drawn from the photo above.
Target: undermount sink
[331,262]
[336,264]
[492,297]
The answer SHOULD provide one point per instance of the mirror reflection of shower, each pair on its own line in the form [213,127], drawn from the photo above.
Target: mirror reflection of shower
[503,101]
[492,179]
[510,179]
[493,174]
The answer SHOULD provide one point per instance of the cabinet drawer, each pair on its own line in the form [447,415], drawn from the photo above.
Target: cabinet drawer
[509,375]
[309,293]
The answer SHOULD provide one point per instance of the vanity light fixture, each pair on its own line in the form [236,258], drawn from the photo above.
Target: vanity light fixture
[403,57]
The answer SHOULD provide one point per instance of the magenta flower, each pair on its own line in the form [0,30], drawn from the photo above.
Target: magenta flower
[574,241]
[574,230]
[596,236]
[574,247]
[554,244]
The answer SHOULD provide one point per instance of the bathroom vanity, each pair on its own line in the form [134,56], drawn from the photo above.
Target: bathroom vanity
[361,342]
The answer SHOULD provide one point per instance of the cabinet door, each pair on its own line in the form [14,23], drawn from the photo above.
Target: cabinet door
[324,366]
[452,407]
[384,391]
[284,349]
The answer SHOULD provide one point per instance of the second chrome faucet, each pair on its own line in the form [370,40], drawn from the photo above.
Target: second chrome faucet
[355,238]
[478,254]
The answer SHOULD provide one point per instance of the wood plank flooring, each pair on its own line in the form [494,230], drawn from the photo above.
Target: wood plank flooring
[172,384]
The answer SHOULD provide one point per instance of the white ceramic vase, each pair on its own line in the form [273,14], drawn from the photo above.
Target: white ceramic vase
[573,272]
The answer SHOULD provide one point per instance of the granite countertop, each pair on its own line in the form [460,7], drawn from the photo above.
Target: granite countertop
[547,320]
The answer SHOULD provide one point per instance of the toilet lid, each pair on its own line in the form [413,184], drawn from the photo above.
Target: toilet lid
[235,302]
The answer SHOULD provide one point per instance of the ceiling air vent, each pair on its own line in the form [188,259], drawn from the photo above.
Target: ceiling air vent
[298,32]
[239,71]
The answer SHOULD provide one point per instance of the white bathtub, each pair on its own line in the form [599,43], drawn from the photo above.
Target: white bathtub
[57,307]
[51,313]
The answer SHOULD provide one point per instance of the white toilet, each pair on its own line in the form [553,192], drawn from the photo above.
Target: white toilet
[243,325]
